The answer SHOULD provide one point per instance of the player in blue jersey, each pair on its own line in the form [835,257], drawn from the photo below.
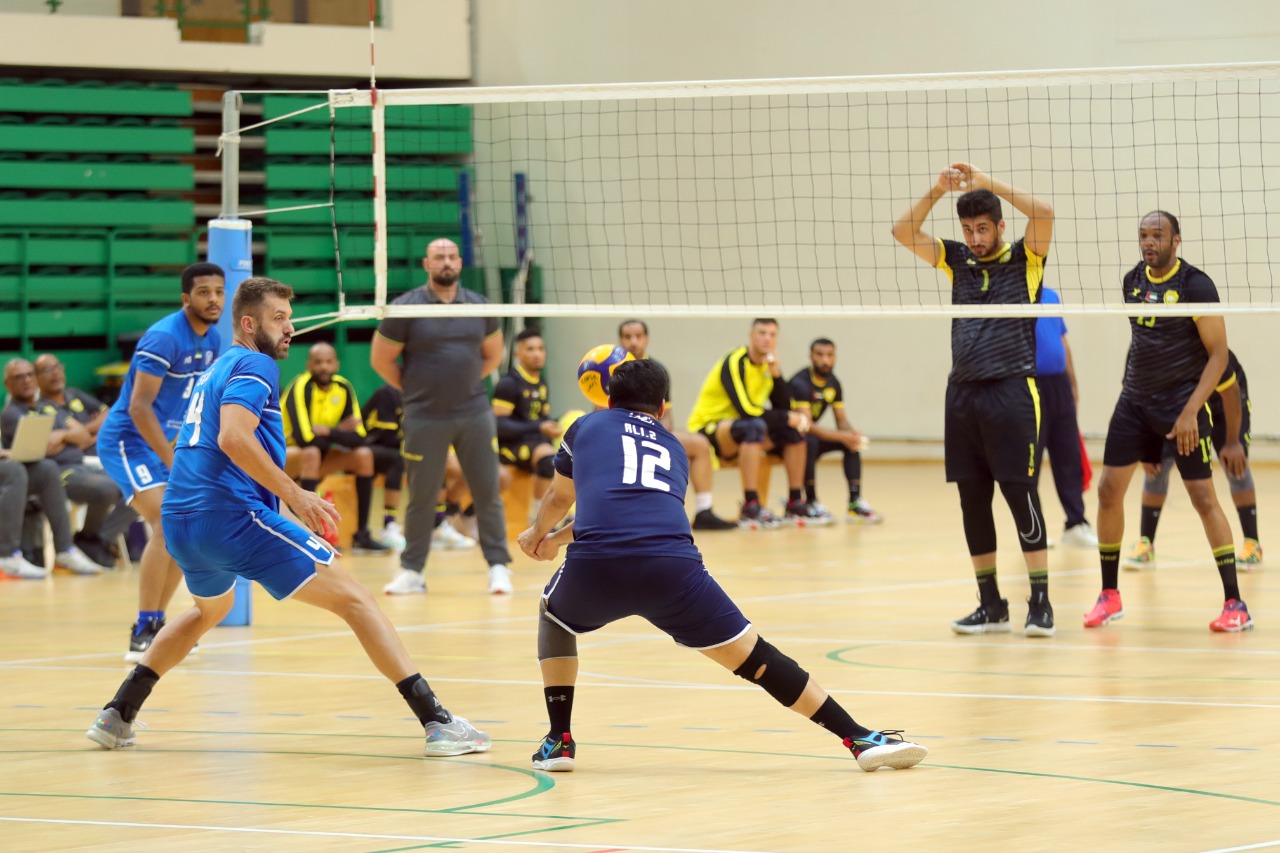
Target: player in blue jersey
[135,442]
[632,554]
[222,520]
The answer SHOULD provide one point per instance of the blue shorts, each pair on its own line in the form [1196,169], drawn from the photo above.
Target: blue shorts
[214,548]
[132,464]
[676,594]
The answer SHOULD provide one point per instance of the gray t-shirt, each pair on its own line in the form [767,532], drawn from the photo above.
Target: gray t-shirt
[441,356]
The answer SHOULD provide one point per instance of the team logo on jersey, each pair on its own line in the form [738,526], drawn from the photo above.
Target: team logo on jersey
[829,394]
[643,418]
[1170,297]
[971,262]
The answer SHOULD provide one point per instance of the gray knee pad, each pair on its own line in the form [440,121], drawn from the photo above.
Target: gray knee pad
[1159,484]
[747,430]
[545,467]
[782,678]
[553,640]
[1243,484]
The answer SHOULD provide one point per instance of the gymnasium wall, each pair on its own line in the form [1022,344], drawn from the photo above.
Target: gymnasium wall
[894,371]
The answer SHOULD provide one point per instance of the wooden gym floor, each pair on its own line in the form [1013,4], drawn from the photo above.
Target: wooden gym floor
[1150,734]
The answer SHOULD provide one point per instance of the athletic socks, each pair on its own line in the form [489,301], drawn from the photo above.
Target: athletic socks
[559,707]
[835,719]
[1225,557]
[701,501]
[145,616]
[1249,521]
[750,496]
[364,500]
[133,692]
[988,589]
[1109,560]
[1039,585]
[855,492]
[1150,518]
[794,496]
[422,700]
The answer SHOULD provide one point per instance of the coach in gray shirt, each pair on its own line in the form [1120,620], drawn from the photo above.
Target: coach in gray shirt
[440,364]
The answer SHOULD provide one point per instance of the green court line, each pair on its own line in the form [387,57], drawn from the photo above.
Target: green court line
[586,823]
[836,656]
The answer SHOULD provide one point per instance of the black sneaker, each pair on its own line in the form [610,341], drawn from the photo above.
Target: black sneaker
[364,543]
[805,514]
[556,754]
[753,516]
[140,639]
[708,520]
[95,549]
[1039,617]
[987,619]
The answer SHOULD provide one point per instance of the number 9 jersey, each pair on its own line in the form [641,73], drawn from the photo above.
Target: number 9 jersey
[630,475]
[203,477]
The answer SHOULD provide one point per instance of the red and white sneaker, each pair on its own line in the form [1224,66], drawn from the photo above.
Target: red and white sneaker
[1235,617]
[1107,609]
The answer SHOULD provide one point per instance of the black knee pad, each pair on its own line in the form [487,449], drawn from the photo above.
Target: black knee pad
[1024,503]
[545,468]
[776,427]
[747,430]
[975,509]
[783,679]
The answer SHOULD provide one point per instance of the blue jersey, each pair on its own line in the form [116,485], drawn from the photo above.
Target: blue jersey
[172,350]
[205,478]
[1051,355]
[630,475]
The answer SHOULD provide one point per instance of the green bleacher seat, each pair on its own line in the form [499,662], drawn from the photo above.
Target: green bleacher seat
[93,248]
[61,209]
[86,175]
[358,210]
[81,99]
[124,140]
[289,140]
[441,116]
[417,177]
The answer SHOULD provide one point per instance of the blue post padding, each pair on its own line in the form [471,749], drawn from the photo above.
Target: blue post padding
[231,247]
[242,608]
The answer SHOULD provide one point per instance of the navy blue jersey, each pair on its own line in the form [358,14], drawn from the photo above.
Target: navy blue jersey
[203,476]
[172,350]
[630,475]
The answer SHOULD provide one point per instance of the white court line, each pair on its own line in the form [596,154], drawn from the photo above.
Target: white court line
[369,835]
[1259,846]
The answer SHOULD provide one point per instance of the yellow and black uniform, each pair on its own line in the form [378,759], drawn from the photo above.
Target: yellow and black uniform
[521,404]
[817,395]
[1166,359]
[383,426]
[993,406]
[1233,374]
[305,405]
[738,390]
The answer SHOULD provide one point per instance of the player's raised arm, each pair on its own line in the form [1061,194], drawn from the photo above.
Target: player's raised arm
[907,230]
[1039,212]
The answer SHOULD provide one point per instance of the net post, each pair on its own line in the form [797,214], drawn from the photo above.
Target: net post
[379,125]
[229,151]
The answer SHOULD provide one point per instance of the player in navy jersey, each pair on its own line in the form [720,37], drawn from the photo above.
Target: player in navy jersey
[631,553]
[1174,365]
[992,429]
[222,519]
[135,442]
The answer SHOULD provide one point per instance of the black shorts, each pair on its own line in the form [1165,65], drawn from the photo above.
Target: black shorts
[520,453]
[388,461]
[675,594]
[1219,417]
[992,429]
[1137,434]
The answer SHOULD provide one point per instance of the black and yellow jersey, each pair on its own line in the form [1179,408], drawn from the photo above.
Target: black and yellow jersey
[812,392]
[384,417]
[304,406]
[988,348]
[736,388]
[1166,355]
[521,402]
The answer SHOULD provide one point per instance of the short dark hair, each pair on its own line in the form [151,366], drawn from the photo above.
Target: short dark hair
[821,342]
[633,322]
[640,385]
[253,292]
[528,332]
[763,321]
[195,271]
[1173,220]
[977,203]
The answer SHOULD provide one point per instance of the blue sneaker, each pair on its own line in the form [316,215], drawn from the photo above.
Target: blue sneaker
[556,755]
[110,731]
[882,749]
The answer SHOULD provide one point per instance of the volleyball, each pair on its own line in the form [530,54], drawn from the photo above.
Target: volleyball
[595,369]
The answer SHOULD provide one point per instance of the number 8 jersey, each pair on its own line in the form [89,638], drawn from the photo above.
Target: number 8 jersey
[630,475]
[203,476]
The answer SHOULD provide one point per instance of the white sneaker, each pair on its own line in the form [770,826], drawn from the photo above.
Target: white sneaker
[1080,536]
[500,580]
[392,537]
[75,561]
[448,539]
[406,583]
[17,566]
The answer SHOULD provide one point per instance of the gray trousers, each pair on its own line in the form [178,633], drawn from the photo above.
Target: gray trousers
[426,448]
[106,514]
[13,503]
[44,482]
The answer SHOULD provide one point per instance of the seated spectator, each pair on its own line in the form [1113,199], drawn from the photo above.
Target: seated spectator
[13,501]
[44,478]
[731,412]
[521,404]
[633,336]
[324,433]
[814,390]
[51,376]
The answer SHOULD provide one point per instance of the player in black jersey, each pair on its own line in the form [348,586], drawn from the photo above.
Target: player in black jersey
[1231,411]
[993,409]
[815,390]
[1173,366]
[521,404]
[631,553]
[633,336]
